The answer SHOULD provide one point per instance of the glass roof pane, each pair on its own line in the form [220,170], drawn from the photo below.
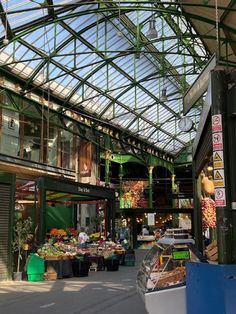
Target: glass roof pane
[21,18]
[93,55]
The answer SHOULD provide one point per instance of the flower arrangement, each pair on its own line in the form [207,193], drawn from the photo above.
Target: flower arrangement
[57,232]
[71,232]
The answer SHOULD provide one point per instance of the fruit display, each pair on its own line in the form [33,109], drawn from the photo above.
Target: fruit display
[208,213]
[48,250]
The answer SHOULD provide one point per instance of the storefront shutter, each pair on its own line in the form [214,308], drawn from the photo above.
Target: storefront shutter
[5,195]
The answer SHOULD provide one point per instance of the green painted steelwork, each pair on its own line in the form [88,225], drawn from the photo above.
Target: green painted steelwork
[24,104]
[150,187]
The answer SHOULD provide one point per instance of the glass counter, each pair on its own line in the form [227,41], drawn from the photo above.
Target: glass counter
[162,276]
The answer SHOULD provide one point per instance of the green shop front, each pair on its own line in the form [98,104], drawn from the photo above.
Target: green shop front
[58,200]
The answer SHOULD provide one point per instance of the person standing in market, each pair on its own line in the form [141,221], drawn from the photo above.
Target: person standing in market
[83,237]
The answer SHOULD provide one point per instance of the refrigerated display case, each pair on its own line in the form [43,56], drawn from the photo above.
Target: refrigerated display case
[161,279]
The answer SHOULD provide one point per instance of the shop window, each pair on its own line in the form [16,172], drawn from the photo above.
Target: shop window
[66,149]
[52,146]
[31,134]
[10,133]
[85,159]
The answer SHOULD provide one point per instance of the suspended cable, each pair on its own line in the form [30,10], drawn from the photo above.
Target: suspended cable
[217,30]
[6,40]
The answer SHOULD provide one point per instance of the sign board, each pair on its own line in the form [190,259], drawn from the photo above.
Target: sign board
[233,205]
[217,141]
[220,198]
[180,254]
[182,195]
[199,87]
[216,123]
[151,219]
[219,178]
[218,159]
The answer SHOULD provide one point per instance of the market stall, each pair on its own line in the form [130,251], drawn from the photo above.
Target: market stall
[162,275]
[65,256]
[145,241]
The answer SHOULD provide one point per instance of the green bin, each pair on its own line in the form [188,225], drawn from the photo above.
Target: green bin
[35,268]
[129,260]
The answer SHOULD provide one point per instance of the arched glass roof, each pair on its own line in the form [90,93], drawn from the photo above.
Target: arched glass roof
[96,57]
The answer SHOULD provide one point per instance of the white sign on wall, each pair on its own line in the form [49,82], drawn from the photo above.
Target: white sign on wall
[151,219]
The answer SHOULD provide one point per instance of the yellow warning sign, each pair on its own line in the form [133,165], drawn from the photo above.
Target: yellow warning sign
[219,178]
[218,159]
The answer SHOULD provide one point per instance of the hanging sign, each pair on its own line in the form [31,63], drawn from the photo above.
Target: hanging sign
[217,141]
[220,199]
[199,87]
[216,123]
[218,159]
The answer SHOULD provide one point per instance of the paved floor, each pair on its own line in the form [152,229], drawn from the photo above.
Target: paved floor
[101,292]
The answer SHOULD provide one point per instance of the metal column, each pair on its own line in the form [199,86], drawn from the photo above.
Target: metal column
[223,211]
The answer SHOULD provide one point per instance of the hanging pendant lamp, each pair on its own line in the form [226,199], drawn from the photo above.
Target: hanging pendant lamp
[163,97]
[152,32]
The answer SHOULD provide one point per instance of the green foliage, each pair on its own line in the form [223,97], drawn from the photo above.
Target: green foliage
[21,229]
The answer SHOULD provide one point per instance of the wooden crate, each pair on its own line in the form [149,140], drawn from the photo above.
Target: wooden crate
[50,276]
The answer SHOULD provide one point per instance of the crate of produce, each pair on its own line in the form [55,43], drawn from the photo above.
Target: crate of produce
[50,276]
[52,257]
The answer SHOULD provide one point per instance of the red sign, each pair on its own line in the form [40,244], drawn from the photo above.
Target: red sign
[220,198]
[216,123]
[217,141]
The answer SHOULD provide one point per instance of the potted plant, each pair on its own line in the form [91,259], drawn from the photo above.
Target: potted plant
[21,229]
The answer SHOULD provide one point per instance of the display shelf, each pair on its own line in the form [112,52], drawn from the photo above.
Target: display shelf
[162,275]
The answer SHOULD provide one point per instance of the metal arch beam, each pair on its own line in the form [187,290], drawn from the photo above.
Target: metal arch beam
[149,46]
[77,86]
[90,46]
[129,25]
[95,70]
[124,92]
[148,107]
[62,45]
[102,3]
[5,22]
[127,108]
[42,64]
[175,27]
[48,20]
[132,85]
[89,84]
[226,12]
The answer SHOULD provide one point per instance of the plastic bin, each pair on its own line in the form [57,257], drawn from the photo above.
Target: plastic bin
[35,268]
[35,277]
[80,268]
[129,260]
[112,264]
